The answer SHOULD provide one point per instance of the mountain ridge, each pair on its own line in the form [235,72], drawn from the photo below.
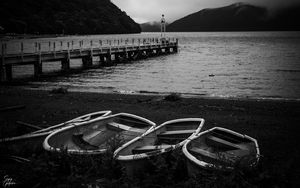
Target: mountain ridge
[236,17]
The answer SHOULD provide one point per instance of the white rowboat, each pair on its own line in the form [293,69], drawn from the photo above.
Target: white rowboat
[220,148]
[34,140]
[164,138]
[92,137]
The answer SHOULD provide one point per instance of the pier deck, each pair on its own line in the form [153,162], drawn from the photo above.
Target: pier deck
[109,54]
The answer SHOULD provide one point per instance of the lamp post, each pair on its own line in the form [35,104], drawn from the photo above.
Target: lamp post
[163,26]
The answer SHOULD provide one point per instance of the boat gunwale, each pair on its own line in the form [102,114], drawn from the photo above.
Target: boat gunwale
[48,130]
[207,165]
[47,146]
[160,151]
[105,113]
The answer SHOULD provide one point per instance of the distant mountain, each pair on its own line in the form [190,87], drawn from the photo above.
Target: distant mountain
[151,26]
[64,16]
[237,17]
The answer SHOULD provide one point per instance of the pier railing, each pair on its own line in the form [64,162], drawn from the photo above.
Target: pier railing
[19,47]
[110,51]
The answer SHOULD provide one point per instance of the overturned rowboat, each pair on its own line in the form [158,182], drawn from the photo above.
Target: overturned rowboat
[34,141]
[164,138]
[221,149]
[93,137]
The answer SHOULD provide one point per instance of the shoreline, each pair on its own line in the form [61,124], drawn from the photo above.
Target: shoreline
[20,85]
[273,123]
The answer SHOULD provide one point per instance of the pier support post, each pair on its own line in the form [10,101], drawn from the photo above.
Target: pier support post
[136,55]
[87,62]
[150,52]
[175,49]
[101,60]
[159,51]
[38,69]
[108,61]
[167,50]
[130,56]
[124,56]
[8,71]
[118,57]
[65,65]
[2,69]
[2,73]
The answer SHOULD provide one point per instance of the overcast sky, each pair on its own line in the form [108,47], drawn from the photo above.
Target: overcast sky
[150,10]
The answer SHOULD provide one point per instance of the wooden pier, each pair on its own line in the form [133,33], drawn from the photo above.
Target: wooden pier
[110,52]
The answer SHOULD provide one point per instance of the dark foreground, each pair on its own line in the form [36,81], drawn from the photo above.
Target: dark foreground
[275,124]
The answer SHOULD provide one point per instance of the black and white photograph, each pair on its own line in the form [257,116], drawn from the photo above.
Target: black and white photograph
[149,93]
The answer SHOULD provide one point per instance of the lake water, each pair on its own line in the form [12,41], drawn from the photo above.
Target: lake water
[209,64]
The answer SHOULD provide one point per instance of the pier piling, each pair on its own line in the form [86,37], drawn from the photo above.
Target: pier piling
[87,62]
[8,71]
[65,64]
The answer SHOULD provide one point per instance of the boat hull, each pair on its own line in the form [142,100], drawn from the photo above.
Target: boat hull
[33,142]
[203,155]
[162,140]
[93,138]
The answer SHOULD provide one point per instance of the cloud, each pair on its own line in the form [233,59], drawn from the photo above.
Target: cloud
[151,10]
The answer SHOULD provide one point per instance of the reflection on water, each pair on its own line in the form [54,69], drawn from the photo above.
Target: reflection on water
[220,64]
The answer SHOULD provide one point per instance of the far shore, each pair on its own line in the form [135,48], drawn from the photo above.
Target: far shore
[28,36]
[275,124]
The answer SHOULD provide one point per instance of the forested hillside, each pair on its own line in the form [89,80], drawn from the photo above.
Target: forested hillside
[64,17]
[239,17]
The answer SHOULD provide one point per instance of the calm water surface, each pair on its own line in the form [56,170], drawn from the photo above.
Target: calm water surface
[220,64]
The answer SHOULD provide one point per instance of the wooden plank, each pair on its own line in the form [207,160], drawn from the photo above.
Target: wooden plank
[124,127]
[224,157]
[221,158]
[82,144]
[143,149]
[225,142]
[135,122]
[203,152]
[152,147]
[168,133]
[93,134]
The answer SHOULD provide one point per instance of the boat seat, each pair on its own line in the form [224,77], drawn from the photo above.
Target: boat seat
[215,141]
[81,143]
[134,122]
[203,152]
[144,149]
[177,132]
[91,135]
[222,156]
[118,126]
